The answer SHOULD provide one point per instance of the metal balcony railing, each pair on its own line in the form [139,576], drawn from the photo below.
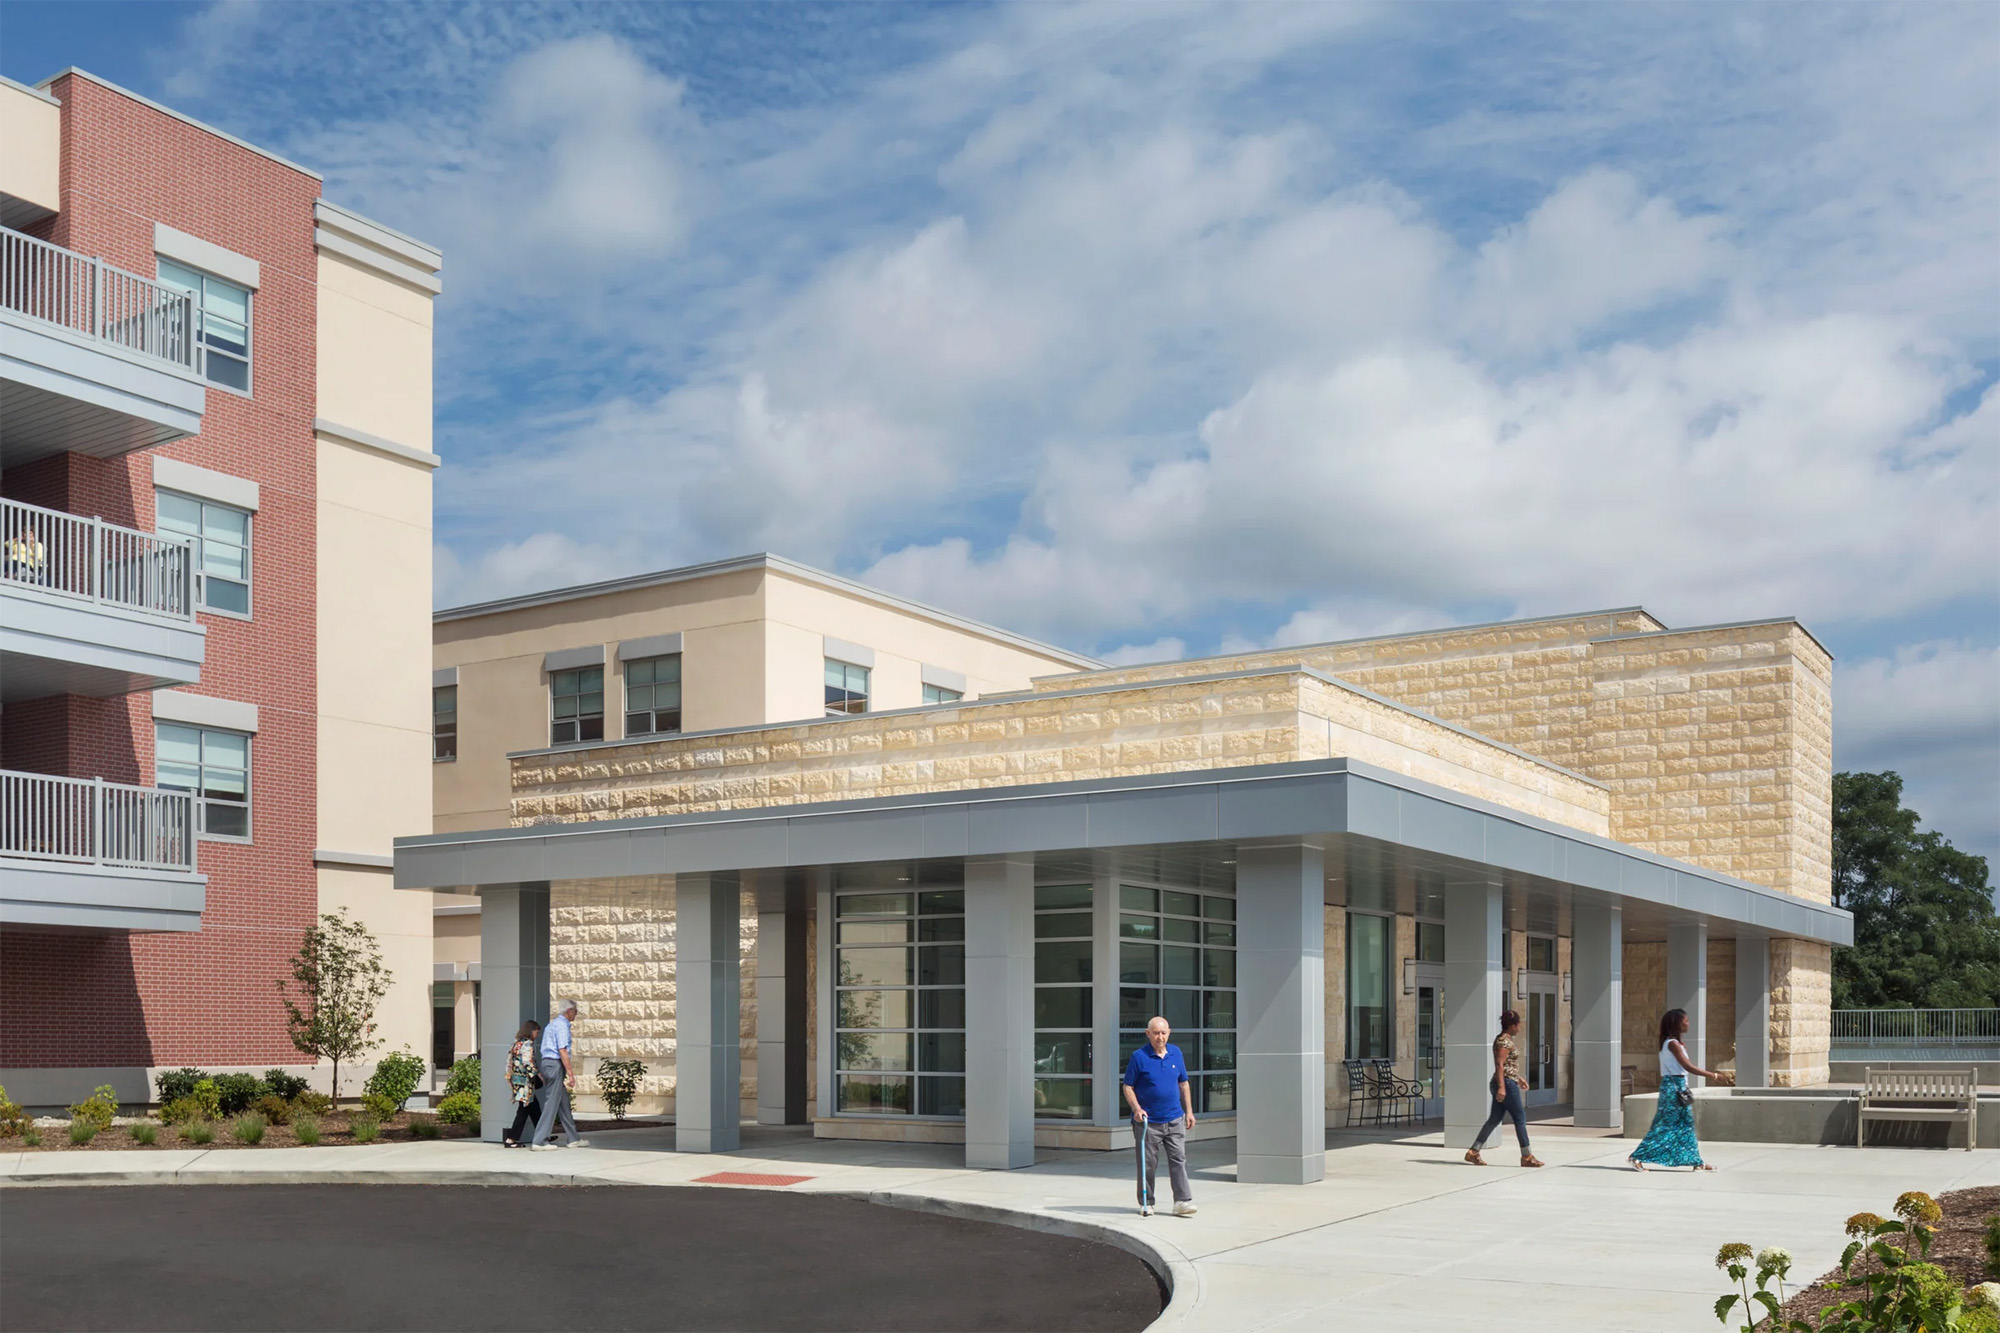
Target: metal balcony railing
[45,818]
[95,561]
[1864,1028]
[88,296]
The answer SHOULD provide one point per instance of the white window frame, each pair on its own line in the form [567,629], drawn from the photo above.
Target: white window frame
[200,572]
[866,691]
[940,694]
[436,735]
[200,800]
[201,316]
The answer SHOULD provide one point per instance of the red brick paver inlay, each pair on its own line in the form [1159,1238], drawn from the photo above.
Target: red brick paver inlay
[747,1178]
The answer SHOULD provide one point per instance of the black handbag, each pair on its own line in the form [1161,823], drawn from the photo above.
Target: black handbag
[1684,1095]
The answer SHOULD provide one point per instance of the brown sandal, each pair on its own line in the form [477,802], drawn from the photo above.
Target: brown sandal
[1529,1159]
[1472,1156]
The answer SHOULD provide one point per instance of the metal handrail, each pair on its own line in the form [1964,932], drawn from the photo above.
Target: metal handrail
[49,818]
[1916,1027]
[95,561]
[85,295]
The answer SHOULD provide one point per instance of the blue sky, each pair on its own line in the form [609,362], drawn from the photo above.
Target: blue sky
[1165,329]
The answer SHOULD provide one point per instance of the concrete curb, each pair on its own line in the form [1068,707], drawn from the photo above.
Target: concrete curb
[1179,1279]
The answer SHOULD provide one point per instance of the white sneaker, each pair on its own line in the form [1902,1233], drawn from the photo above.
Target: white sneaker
[577,1143]
[1184,1208]
[541,1147]
[1145,1210]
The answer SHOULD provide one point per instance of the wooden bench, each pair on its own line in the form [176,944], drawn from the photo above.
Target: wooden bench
[1919,1094]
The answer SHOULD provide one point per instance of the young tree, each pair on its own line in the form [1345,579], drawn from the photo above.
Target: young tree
[337,980]
[1925,932]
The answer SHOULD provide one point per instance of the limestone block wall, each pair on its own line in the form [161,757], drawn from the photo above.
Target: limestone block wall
[1721,1035]
[1644,1000]
[1406,1005]
[1801,1012]
[1336,1015]
[1176,726]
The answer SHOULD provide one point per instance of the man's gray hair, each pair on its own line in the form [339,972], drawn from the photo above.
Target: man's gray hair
[564,1006]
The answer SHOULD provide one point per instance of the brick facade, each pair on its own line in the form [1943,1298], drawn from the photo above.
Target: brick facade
[206,997]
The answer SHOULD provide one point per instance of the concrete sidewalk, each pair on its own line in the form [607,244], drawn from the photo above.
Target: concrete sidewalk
[1400,1233]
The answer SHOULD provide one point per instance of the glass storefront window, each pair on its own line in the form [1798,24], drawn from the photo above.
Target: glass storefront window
[1177,959]
[899,1003]
[1371,1015]
[1063,1034]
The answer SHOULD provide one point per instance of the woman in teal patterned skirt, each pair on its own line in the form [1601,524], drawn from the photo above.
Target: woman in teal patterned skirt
[1671,1140]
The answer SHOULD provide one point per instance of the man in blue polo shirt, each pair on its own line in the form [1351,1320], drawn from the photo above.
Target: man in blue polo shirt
[1156,1088]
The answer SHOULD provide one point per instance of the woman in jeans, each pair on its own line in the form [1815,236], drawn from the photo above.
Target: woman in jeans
[522,1080]
[1507,1086]
[1671,1140]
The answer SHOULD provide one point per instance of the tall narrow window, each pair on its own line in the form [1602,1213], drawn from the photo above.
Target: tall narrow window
[846,688]
[222,316]
[1371,1018]
[1177,959]
[444,722]
[1063,1031]
[576,706]
[938,694]
[215,766]
[899,1003]
[221,538]
[653,695]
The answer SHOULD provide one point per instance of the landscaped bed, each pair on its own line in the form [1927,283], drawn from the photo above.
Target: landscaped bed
[336,1131]
[1958,1245]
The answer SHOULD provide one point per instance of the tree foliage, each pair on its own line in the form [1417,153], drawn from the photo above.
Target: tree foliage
[1925,932]
[337,980]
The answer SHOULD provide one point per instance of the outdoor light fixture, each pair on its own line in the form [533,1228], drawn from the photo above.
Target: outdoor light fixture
[1565,988]
[1521,983]
[1409,976]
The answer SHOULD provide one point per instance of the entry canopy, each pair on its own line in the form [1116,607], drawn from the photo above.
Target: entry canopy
[1391,842]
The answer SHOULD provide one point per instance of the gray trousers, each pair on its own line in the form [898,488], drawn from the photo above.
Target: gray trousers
[1153,1138]
[555,1102]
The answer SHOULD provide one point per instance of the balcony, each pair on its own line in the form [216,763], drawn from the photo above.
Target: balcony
[86,854]
[93,360]
[89,607]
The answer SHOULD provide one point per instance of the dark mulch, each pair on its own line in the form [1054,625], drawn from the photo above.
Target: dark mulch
[336,1131]
[1958,1247]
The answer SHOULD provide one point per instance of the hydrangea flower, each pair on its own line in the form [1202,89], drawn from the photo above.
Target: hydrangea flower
[1734,1252]
[1862,1225]
[1775,1258]
[1918,1209]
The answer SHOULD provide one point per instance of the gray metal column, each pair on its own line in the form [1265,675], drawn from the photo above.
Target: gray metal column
[513,987]
[708,975]
[1753,1011]
[1280,1015]
[823,1047]
[1687,985]
[1000,1012]
[1597,967]
[773,962]
[1472,981]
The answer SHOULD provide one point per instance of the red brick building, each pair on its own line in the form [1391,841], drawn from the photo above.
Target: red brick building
[214,398]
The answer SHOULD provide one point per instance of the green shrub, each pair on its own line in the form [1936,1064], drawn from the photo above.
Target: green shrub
[366,1129]
[181,1111]
[312,1103]
[378,1106]
[208,1098]
[14,1121]
[464,1077]
[275,1109]
[1992,1243]
[82,1131]
[396,1077]
[31,1137]
[424,1127]
[460,1108]
[618,1080]
[249,1128]
[174,1084]
[306,1130]
[1981,1320]
[198,1131]
[287,1086]
[100,1109]
[239,1092]
[145,1132]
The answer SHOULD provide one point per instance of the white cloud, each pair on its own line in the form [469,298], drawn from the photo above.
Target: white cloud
[1930,711]
[1168,649]
[541,560]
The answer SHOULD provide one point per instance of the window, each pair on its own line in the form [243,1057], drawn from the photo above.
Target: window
[1371,1018]
[222,313]
[221,549]
[1177,959]
[1063,1031]
[653,695]
[938,694]
[444,722]
[215,766]
[1430,941]
[576,706]
[846,688]
[900,1003]
[1541,954]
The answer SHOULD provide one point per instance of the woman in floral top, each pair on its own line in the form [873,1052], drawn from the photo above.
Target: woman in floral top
[523,1080]
[1507,1085]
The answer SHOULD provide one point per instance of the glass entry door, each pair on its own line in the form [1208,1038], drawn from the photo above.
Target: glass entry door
[1430,1039]
[1538,1054]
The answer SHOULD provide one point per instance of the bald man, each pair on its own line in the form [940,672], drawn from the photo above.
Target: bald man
[1156,1088]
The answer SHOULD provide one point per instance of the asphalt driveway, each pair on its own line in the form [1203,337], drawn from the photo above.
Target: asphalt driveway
[544,1257]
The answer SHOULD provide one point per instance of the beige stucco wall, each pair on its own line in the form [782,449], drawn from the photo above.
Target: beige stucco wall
[372,604]
[1172,726]
[30,148]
